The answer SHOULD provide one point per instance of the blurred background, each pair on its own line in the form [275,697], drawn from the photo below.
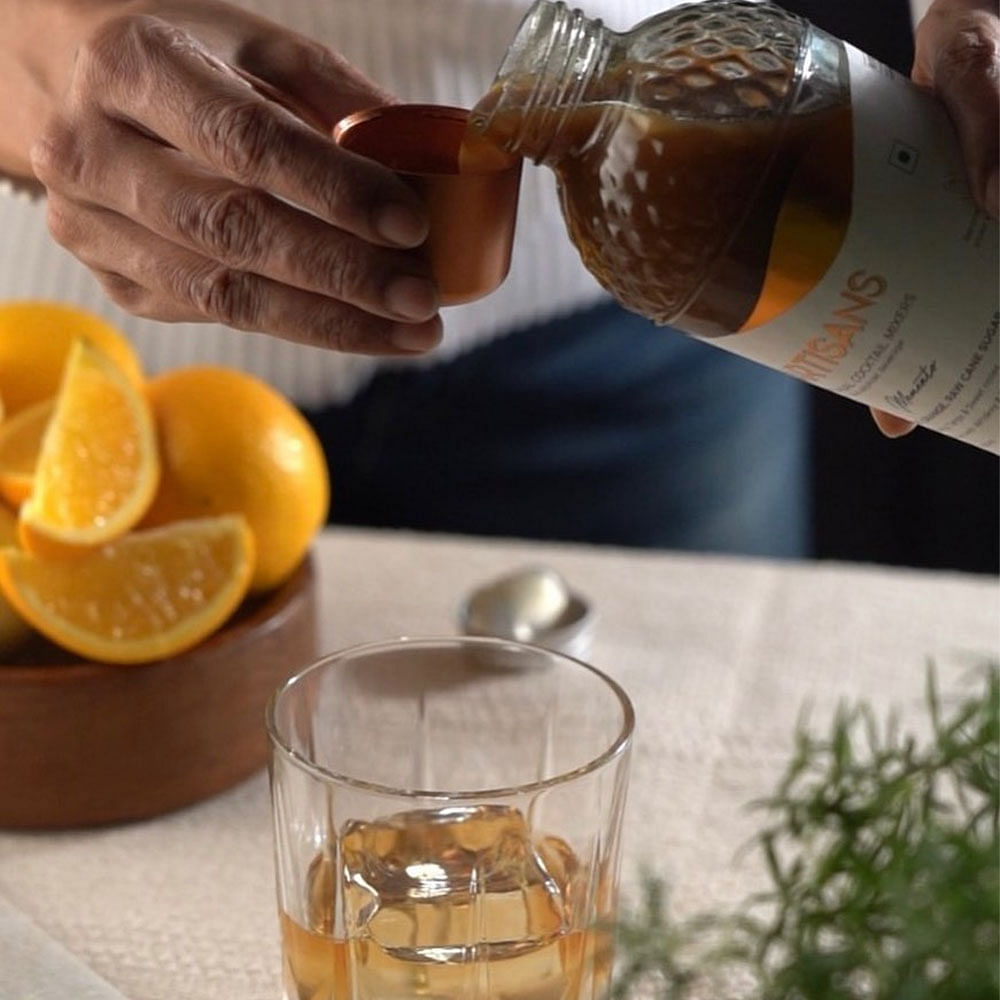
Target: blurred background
[924,500]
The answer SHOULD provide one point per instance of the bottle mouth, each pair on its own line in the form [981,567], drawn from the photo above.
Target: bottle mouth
[539,22]
[556,53]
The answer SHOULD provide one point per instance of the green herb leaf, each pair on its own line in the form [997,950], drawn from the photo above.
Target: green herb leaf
[883,861]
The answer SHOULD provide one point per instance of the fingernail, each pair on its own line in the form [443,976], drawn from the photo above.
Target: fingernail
[412,298]
[416,338]
[896,431]
[401,225]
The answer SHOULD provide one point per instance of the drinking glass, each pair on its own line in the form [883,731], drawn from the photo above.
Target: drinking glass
[447,817]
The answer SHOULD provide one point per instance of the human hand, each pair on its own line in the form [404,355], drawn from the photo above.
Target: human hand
[189,165]
[958,55]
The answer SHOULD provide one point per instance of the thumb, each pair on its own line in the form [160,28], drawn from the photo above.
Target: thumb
[957,52]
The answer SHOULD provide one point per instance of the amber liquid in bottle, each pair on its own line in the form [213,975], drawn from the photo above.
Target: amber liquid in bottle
[703,159]
[713,226]
[730,170]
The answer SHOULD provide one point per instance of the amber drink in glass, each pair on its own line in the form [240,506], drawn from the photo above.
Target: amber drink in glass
[447,816]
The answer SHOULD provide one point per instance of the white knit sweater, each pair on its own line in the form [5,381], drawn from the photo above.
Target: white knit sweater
[444,51]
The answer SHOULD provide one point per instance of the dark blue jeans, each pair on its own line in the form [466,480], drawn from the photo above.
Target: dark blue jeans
[596,427]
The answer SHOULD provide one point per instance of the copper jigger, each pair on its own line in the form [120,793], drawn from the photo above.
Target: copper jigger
[470,188]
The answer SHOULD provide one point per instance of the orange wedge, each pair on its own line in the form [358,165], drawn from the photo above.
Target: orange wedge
[20,443]
[35,339]
[145,596]
[98,467]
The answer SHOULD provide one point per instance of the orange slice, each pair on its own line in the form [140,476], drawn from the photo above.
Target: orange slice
[20,443]
[35,339]
[144,596]
[98,467]
[13,628]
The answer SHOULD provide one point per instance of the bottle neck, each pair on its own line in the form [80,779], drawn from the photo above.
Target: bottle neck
[551,68]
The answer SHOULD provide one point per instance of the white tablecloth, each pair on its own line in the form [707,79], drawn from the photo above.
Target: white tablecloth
[719,655]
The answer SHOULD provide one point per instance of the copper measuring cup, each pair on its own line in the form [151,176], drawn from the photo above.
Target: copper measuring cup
[470,189]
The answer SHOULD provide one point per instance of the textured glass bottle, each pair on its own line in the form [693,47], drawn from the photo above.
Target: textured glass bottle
[729,169]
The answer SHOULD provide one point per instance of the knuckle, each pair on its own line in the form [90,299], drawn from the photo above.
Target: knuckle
[141,301]
[56,155]
[115,51]
[226,295]
[63,223]
[972,49]
[344,192]
[338,267]
[345,273]
[124,292]
[231,226]
[349,331]
[241,136]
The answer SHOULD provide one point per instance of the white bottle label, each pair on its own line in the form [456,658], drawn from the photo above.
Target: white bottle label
[906,317]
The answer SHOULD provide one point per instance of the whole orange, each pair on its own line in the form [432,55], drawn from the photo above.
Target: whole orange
[232,444]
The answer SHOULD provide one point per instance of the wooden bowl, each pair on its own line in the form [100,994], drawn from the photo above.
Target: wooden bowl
[85,743]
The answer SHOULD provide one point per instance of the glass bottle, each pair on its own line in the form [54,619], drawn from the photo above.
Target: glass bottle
[729,169]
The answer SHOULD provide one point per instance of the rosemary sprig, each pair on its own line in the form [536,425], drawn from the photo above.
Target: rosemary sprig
[883,862]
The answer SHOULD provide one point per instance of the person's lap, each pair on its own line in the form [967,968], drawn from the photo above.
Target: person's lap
[596,427]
